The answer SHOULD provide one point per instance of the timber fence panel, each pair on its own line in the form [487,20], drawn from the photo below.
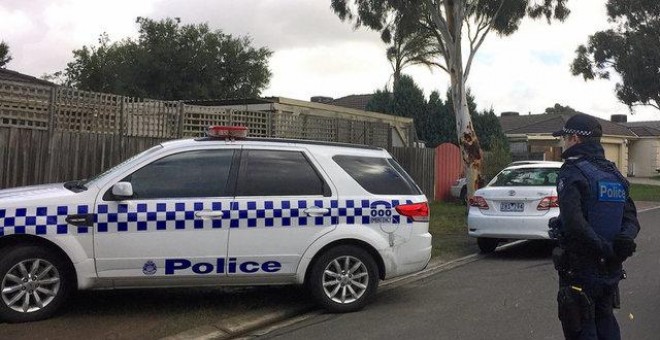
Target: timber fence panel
[419,163]
[288,125]
[320,128]
[150,118]
[196,119]
[85,111]
[24,105]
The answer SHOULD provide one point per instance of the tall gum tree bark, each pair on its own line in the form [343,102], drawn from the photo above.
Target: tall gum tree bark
[467,138]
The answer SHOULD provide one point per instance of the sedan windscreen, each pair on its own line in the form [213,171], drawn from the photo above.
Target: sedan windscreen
[526,177]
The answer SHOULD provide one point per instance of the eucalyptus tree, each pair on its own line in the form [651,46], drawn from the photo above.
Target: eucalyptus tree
[447,21]
[631,48]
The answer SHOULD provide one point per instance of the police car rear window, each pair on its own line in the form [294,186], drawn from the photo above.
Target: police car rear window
[379,176]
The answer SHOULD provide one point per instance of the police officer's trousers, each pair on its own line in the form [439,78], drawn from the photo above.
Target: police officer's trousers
[586,311]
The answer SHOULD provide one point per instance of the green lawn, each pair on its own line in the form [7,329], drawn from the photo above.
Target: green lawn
[643,192]
[449,230]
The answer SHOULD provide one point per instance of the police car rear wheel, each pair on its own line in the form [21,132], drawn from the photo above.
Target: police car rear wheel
[34,283]
[343,279]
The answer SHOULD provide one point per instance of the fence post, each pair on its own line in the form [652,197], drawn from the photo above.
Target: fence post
[120,130]
[51,136]
[181,112]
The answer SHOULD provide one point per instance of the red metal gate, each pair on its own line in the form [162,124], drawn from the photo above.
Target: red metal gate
[448,168]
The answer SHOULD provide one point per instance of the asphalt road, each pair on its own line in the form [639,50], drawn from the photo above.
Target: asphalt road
[507,295]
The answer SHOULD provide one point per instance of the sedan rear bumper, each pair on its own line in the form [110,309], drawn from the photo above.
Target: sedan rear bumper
[509,227]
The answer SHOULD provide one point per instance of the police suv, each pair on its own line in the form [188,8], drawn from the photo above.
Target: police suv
[220,210]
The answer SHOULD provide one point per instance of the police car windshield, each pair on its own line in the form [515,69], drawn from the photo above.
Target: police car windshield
[129,160]
[525,177]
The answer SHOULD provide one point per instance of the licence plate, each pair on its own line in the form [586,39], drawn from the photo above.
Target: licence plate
[512,206]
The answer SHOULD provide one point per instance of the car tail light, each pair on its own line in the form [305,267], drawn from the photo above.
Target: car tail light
[479,202]
[548,202]
[418,212]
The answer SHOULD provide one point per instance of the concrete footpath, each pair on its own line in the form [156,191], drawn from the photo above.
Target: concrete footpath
[257,319]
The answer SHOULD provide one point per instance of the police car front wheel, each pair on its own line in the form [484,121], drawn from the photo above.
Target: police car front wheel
[343,279]
[34,283]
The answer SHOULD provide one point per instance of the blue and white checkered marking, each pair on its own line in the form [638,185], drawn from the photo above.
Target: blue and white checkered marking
[46,220]
[172,216]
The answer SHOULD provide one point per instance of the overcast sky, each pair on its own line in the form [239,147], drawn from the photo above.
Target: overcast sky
[317,54]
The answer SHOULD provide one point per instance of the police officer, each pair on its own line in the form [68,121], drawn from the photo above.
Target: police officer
[596,228]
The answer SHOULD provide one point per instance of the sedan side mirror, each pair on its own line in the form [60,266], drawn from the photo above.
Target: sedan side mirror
[122,190]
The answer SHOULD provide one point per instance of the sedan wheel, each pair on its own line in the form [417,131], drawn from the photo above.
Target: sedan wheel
[487,245]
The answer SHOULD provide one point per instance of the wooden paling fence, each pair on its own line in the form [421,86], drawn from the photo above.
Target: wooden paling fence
[30,157]
[51,134]
[420,165]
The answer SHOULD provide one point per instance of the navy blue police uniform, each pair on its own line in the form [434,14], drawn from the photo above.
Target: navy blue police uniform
[597,226]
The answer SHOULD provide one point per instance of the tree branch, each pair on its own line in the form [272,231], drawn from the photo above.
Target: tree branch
[656,105]
[474,48]
[445,37]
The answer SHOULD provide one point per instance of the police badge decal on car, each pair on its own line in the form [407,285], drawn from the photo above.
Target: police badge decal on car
[149,268]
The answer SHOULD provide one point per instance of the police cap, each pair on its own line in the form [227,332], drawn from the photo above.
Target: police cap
[582,125]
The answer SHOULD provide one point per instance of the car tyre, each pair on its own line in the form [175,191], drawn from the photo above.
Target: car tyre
[343,279]
[487,245]
[34,283]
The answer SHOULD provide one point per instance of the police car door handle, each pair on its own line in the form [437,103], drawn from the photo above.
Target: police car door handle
[208,215]
[315,211]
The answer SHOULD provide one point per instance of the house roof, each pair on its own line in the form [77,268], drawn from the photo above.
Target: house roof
[10,75]
[655,124]
[645,131]
[549,122]
[355,101]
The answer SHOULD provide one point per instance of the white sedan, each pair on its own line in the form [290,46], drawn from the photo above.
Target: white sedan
[516,204]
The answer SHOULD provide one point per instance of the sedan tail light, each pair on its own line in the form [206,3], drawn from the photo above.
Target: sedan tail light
[479,202]
[418,212]
[548,202]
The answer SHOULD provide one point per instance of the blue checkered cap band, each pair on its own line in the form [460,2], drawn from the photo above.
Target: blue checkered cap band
[576,132]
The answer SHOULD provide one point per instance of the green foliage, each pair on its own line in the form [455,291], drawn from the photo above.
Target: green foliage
[172,61]
[631,48]
[5,57]
[381,101]
[558,109]
[407,101]
[505,15]
[435,120]
[497,158]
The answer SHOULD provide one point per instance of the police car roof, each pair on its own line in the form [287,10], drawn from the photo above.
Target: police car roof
[267,141]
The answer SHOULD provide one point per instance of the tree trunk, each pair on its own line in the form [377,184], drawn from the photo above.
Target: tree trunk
[467,138]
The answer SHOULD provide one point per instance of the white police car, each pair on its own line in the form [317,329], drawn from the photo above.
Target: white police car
[216,211]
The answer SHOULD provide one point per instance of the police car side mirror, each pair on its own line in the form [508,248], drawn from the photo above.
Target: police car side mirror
[122,190]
